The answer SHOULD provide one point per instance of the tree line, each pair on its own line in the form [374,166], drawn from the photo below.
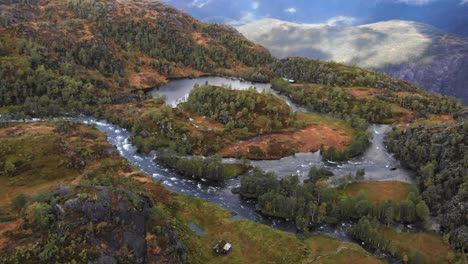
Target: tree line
[210,168]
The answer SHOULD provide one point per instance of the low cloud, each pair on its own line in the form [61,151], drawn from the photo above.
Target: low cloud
[341,21]
[416,2]
[246,18]
[291,10]
[199,3]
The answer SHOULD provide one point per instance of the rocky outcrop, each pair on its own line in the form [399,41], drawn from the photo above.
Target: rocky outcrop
[120,220]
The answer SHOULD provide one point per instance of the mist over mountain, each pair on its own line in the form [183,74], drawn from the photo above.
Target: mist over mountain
[406,50]
[448,15]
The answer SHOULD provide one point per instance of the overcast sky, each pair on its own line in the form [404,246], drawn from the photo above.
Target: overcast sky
[449,15]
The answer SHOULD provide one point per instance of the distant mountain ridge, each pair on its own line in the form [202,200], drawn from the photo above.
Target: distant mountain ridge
[403,49]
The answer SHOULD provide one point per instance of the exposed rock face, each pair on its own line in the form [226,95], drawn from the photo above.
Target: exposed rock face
[123,217]
[407,50]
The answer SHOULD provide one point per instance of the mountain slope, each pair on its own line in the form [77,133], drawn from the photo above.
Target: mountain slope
[406,50]
[93,49]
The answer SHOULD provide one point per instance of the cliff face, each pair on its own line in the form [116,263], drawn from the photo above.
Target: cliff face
[406,50]
[445,72]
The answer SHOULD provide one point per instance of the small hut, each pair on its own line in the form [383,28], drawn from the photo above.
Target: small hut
[222,247]
[289,80]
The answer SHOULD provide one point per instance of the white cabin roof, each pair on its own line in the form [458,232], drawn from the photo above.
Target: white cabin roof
[227,246]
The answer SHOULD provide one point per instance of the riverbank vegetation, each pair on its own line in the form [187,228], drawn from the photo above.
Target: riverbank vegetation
[210,168]
[256,243]
[312,202]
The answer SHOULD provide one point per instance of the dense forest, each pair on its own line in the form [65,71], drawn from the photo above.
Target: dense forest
[249,110]
[439,154]
[336,74]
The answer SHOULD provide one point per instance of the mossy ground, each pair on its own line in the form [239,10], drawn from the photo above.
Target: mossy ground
[38,156]
[328,250]
[379,191]
[4,110]
[233,170]
[430,246]
[45,157]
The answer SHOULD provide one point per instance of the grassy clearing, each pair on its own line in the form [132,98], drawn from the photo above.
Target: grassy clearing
[361,92]
[316,119]
[5,110]
[37,160]
[42,158]
[431,247]
[233,170]
[380,191]
[256,243]
[328,250]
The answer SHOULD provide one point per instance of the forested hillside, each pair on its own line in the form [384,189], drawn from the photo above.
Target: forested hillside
[439,153]
[336,74]
[365,102]
[79,53]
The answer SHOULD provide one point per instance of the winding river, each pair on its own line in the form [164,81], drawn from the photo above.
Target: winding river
[377,161]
